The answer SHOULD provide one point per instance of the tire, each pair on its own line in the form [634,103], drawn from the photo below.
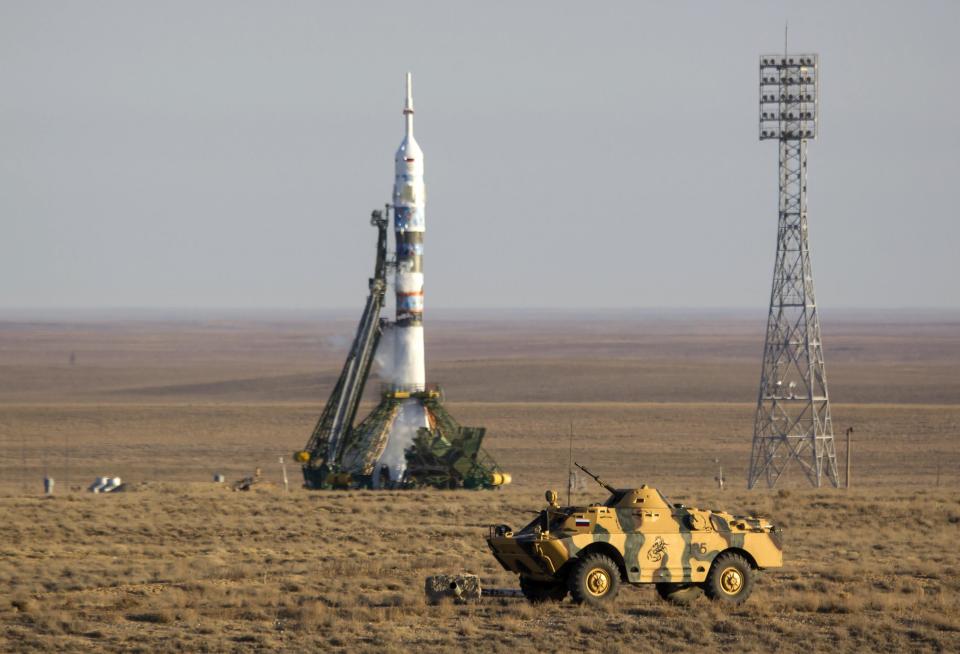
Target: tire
[730,579]
[682,594]
[538,592]
[594,580]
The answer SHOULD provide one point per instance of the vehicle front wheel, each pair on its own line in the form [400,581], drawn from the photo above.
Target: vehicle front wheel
[538,592]
[730,579]
[679,593]
[594,580]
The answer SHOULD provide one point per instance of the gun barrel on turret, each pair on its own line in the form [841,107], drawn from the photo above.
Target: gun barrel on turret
[596,478]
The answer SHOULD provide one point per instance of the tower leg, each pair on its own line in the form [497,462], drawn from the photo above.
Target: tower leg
[792,423]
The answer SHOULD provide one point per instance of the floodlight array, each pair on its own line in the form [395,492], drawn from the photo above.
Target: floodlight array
[788,96]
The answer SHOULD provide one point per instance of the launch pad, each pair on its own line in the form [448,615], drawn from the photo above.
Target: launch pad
[444,455]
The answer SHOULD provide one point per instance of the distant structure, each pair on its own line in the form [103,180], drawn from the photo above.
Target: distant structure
[793,408]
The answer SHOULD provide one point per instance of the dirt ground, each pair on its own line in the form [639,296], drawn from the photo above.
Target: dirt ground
[182,564]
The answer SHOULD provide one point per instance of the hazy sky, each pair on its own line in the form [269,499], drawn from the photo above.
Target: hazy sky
[581,154]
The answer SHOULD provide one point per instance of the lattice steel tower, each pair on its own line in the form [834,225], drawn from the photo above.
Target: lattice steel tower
[793,408]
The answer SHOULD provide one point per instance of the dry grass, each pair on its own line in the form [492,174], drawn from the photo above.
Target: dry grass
[671,445]
[197,567]
[181,564]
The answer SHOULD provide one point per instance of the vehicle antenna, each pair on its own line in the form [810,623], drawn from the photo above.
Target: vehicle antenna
[570,467]
[597,479]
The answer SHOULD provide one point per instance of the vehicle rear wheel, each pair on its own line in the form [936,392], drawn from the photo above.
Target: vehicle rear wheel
[730,579]
[594,580]
[538,592]
[679,593]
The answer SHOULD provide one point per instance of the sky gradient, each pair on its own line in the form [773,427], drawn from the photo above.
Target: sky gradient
[578,155]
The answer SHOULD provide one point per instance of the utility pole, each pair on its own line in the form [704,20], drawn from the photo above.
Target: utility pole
[286,482]
[23,462]
[47,479]
[66,448]
[721,482]
[849,434]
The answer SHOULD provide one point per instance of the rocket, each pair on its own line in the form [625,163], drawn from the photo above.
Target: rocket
[382,451]
[409,203]
[409,370]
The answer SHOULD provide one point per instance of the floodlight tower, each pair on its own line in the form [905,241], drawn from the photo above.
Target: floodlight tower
[793,409]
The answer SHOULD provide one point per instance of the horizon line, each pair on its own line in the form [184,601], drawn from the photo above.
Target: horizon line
[21,312]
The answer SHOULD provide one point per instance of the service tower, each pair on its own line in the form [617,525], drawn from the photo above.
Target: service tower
[792,422]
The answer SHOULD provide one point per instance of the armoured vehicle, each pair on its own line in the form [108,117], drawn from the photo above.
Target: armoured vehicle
[636,536]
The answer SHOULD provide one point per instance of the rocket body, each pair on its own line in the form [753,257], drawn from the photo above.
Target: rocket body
[409,204]
[409,370]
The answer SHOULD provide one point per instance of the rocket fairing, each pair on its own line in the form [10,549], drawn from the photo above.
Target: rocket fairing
[409,203]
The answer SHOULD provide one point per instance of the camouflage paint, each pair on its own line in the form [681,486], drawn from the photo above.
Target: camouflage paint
[655,541]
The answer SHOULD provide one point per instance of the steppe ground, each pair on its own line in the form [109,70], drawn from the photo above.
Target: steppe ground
[182,564]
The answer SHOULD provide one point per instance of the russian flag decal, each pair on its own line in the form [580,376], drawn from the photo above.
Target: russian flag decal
[582,522]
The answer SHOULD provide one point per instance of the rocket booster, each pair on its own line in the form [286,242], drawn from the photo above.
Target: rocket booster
[409,203]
